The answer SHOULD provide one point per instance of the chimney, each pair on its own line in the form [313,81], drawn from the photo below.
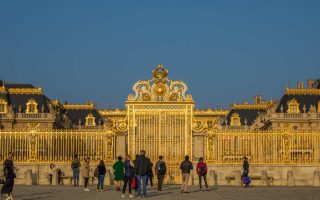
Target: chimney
[257,99]
[300,85]
[311,83]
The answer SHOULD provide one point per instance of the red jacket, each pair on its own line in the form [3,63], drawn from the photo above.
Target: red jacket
[202,165]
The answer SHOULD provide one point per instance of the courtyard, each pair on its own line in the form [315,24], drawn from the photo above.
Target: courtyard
[170,192]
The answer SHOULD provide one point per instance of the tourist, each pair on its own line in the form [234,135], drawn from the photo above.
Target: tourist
[150,176]
[245,174]
[202,172]
[86,173]
[186,167]
[52,168]
[136,184]
[118,172]
[9,174]
[128,176]
[75,166]
[142,168]
[160,170]
[101,173]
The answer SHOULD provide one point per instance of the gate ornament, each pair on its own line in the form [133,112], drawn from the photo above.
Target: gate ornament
[160,88]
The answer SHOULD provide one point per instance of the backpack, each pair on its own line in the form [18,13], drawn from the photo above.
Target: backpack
[202,170]
[96,172]
[246,180]
[162,168]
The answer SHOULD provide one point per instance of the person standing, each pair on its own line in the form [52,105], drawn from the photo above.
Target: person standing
[86,173]
[186,167]
[128,176]
[52,168]
[160,170]
[101,173]
[136,185]
[202,172]
[245,173]
[150,175]
[75,166]
[118,172]
[9,174]
[142,169]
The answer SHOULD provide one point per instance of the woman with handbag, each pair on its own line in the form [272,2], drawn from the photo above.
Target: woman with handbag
[9,174]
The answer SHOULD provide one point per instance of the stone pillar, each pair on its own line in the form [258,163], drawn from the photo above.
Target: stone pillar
[55,177]
[316,178]
[107,179]
[28,177]
[121,145]
[212,178]
[264,178]
[290,178]
[237,178]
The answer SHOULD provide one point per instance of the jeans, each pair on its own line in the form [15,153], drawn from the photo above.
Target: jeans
[127,181]
[86,181]
[76,172]
[205,180]
[144,184]
[100,182]
[160,181]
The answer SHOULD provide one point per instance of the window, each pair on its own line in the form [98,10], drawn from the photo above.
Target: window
[318,106]
[3,106]
[90,120]
[235,119]
[32,106]
[293,106]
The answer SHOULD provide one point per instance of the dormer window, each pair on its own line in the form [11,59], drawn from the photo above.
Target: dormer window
[235,119]
[293,106]
[90,120]
[32,106]
[3,105]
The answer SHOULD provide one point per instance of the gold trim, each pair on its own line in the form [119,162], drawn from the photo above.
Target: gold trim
[33,102]
[79,106]
[306,91]
[293,102]
[25,90]
[90,116]
[112,112]
[5,104]
[251,106]
[235,116]
[211,112]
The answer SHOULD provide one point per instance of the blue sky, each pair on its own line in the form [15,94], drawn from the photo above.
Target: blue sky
[225,51]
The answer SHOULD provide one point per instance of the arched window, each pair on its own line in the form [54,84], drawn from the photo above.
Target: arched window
[90,120]
[235,119]
[32,106]
[293,106]
[3,105]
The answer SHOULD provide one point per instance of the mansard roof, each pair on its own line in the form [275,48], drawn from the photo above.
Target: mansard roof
[305,97]
[76,112]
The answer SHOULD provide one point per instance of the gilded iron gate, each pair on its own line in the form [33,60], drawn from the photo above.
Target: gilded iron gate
[160,121]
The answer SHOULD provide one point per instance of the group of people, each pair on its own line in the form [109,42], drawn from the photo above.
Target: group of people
[134,174]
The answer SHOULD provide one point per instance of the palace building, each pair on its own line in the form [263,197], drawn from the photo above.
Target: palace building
[160,117]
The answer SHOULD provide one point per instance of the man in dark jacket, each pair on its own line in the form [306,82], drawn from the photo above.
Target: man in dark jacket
[142,169]
[245,169]
[9,174]
[160,170]
[186,167]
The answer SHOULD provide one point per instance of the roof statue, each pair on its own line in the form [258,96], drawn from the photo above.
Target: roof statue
[160,88]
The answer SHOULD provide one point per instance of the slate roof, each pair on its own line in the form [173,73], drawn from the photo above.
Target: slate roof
[306,100]
[249,114]
[75,114]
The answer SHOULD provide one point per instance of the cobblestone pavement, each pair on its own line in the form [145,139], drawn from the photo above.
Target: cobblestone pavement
[170,192]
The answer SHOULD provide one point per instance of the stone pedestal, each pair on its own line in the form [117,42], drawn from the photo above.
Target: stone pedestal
[28,177]
[316,178]
[264,178]
[237,178]
[55,178]
[290,178]
[212,178]
[107,179]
